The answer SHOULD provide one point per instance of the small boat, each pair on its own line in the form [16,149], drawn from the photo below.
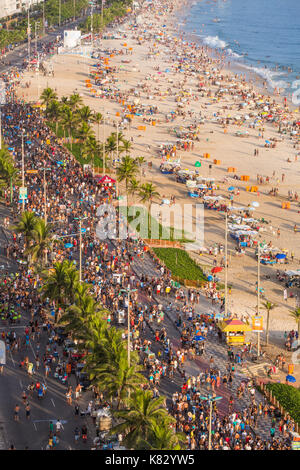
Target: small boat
[216,20]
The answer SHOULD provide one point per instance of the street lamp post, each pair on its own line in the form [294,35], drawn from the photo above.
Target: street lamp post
[258,296]
[80,245]
[128,292]
[59,12]
[44,18]
[210,399]
[23,172]
[28,33]
[226,263]
[103,142]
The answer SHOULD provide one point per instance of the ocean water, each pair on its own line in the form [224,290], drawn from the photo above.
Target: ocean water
[261,35]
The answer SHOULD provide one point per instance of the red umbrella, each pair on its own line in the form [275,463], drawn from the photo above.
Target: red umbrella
[217,269]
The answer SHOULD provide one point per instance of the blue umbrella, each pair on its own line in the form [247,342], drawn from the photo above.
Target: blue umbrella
[68,245]
[209,278]
[28,141]
[280,256]
[231,188]
[267,141]
[290,378]
[199,338]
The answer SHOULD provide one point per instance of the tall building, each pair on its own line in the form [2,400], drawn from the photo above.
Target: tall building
[11,7]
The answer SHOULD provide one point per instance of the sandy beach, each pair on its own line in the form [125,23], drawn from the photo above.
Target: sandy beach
[152,76]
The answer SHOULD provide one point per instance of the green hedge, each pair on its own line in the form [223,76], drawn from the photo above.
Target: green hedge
[288,397]
[180,264]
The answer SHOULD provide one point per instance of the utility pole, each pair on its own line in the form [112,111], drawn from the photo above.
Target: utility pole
[210,400]
[23,172]
[80,252]
[117,188]
[92,6]
[44,17]
[59,12]
[74,18]
[128,327]
[258,296]
[103,143]
[35,34]
[226,262]
[102,14]
[0,127]
[28,33]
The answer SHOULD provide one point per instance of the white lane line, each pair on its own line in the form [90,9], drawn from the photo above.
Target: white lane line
[32,348]
[53,402]
[21,385]
[35,426]
[12,358]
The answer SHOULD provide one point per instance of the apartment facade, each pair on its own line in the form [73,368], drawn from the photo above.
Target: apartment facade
[11,7]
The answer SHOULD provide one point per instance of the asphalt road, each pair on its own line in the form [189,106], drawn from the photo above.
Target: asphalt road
[17,56]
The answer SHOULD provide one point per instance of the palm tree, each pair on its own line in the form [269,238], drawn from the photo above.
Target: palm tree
[147,193]
[56,285]
[162,437]
[295,314]
[90,148]
[26,226]
[134,186]
[47,96]
[268,306]
[8,172]
[75,101]
[126,170]
[53,112]
[69,121]
[111,146]
[84,132]
[41,239]
[138,419]
[97,118]
[117,379]
[85,114]
[126,146]
[140,161]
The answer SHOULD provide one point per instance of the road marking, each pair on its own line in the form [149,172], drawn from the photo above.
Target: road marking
[34,426]
[21,385]
[12,358]
[32,348]
[53,402]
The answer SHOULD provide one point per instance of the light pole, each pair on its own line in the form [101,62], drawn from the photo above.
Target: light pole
[43,17]
[210,399]
[80,245]
[226,263]
[103,141]
[128,292]
[59,12]
[74,18]
[258,296]
[28,33]
[102,14]
[23,173]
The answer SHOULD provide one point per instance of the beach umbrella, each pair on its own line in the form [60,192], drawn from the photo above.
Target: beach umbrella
[231,188]
[268,142]
[280,256]
[68,245]
[199,338]
[255,204]
[209,278]
[290,378]
[216,269]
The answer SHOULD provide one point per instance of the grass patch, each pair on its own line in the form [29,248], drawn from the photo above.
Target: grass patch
[149,227]
[76,147]
[180,264]
[288,397]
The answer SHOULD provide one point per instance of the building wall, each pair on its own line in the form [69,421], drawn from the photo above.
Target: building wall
[10,7]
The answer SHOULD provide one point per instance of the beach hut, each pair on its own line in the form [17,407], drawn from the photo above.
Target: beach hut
[234,331]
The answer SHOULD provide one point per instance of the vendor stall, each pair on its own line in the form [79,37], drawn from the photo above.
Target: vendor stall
[234,331]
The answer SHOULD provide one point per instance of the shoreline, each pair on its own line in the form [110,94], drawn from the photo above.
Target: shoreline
[236,65]
[212,138]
